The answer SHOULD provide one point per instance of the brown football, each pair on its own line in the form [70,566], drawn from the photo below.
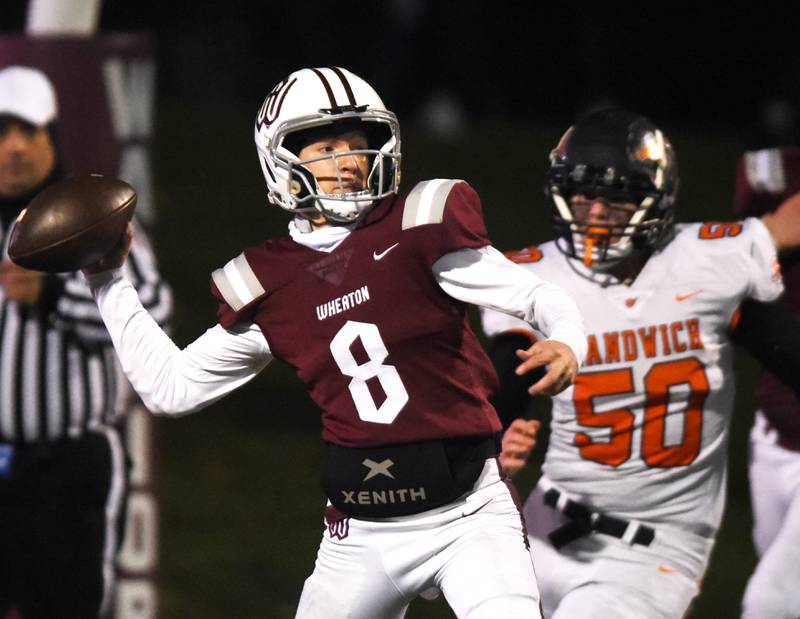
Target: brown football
[72,223]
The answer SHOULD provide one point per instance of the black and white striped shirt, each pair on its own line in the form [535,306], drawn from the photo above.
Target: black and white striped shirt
[58,371]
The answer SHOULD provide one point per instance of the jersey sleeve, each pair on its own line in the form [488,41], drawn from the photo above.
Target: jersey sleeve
[237,289]
[170,380]
[765,178]
[766,282]
[494,323]
[446,215]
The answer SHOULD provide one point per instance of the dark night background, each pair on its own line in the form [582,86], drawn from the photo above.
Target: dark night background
[483,91]
[499,59]
[697,66]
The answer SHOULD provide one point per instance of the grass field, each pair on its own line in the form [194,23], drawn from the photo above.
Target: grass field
[240,504]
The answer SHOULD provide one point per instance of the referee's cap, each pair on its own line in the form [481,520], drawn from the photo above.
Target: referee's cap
[28,94]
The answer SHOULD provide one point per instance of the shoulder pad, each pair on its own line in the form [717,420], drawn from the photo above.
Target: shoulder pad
[425,203]
[524,256]
[237,283]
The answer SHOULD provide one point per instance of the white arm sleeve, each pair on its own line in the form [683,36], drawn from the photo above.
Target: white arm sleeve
[168,379]
[486,277]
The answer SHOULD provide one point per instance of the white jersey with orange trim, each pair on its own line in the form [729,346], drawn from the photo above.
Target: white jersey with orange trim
[643,432]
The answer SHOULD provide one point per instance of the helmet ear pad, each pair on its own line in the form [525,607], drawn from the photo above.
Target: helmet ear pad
[302,183]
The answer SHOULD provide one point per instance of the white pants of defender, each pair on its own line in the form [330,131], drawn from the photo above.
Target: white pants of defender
[601,577]
[473,550]
[773,591]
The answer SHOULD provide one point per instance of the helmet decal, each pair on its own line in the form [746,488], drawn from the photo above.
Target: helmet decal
[271,107]
[652,149]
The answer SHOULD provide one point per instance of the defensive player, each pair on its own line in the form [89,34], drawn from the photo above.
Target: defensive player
[366,299]
[764,179]
[624,517]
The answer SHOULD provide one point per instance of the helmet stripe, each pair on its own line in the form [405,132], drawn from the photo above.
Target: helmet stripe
[327,86]
[350,96]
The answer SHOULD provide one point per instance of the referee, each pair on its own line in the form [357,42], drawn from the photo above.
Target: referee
[63,472]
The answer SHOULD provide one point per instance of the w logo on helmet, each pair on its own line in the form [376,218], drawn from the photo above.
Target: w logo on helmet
[271,107]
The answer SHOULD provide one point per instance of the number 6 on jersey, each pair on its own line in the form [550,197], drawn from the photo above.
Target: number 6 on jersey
[387,375]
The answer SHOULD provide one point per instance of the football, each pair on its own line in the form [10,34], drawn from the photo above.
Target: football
[72,224]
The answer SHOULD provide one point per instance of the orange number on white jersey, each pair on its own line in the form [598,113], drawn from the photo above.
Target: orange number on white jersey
[659,379]
[620,422]
[720,229]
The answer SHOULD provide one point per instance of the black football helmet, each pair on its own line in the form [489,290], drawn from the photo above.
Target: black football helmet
[617,156]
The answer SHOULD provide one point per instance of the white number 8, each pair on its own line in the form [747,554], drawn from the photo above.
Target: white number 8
[387,375]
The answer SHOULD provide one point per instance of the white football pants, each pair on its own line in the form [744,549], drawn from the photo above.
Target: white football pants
[602,577]
[473,550]
[773,591]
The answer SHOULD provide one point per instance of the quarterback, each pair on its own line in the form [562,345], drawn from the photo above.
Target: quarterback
[623,519]
[366,299]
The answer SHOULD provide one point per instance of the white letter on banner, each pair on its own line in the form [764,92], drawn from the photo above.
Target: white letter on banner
[130,96]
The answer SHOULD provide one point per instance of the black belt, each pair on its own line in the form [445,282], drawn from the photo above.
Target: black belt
[582,521]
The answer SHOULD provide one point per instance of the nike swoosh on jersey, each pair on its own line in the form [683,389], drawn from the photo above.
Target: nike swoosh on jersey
[378,256]
[688,295]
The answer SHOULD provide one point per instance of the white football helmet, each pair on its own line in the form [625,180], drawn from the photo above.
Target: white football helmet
[314,98]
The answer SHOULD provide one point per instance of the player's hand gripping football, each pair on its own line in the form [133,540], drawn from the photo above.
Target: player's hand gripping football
[560,362]
[518,443]
[116,257]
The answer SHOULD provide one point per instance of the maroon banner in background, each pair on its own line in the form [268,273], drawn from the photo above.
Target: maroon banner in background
[106,97]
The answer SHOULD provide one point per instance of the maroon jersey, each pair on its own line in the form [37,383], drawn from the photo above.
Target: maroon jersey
[764,179]
[384,352]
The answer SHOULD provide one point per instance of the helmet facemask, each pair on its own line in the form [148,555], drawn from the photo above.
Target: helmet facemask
[297,188]
[601,245]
